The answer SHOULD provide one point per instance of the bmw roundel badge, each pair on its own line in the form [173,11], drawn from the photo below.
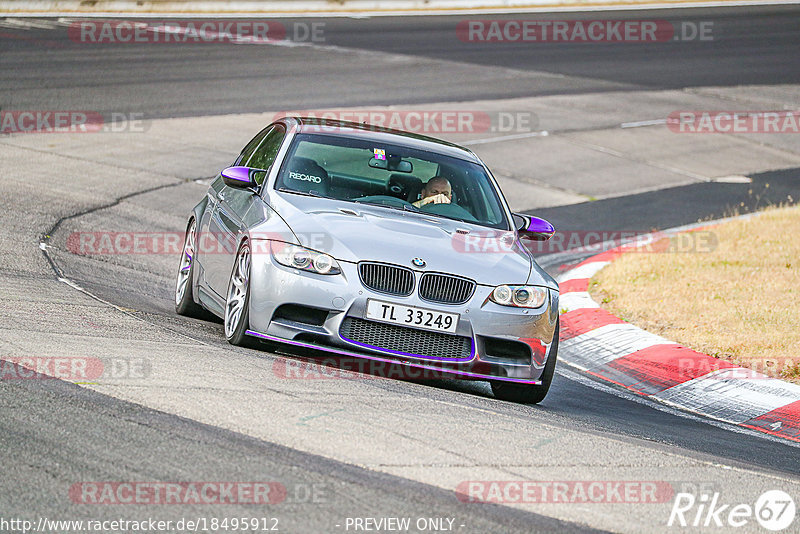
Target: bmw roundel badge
[418,262]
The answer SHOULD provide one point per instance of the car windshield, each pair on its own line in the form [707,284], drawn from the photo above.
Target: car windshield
[392,176]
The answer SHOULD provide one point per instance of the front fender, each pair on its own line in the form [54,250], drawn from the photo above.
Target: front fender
[200,207]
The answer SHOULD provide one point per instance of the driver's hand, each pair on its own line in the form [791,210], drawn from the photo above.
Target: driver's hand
[435,199]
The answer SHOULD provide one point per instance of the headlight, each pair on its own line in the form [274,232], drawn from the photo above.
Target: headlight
[303,258]
[519,296]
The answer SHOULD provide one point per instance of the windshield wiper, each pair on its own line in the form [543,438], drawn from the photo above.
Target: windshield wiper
[402,207]
[413,209]
[304,193]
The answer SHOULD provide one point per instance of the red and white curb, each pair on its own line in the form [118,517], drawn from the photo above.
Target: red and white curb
[608,348]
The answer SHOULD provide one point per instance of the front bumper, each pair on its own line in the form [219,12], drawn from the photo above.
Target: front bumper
[337,301]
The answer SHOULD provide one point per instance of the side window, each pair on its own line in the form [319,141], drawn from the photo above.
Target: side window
[251,147]
[264,157]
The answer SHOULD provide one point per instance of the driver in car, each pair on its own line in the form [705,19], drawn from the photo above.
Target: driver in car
[436,191]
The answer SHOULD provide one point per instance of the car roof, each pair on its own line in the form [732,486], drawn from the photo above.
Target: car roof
[383,135]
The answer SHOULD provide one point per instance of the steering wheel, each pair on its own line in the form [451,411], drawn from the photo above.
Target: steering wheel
[386,200]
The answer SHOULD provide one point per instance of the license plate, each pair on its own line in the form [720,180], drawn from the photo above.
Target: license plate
[388,312]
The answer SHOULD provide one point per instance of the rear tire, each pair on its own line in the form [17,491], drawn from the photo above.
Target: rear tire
[527,394]
[184,297]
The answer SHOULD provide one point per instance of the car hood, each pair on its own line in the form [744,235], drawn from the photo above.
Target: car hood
[357,232]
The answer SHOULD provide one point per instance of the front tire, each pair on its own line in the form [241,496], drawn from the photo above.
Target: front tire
[527,394]
[184,298]
[237,305]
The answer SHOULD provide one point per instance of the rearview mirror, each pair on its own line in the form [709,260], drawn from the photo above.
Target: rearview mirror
[240,177]
[534,228]
[393,163]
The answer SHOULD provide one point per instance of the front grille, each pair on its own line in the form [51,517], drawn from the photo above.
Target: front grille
[409,341]
[389,279]
[445,288]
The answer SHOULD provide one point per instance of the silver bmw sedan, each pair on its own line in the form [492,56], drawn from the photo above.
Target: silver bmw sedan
[370,243]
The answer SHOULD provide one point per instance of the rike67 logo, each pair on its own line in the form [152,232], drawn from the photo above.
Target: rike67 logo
[774,510]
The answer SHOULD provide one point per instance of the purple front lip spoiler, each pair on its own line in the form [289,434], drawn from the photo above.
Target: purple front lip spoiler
[386,360]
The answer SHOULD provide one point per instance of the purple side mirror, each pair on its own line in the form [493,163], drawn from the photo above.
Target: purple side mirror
[240,177]
[535,228]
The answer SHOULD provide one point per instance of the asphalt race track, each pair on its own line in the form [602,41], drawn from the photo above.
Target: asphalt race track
[362,447]
[753,47]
